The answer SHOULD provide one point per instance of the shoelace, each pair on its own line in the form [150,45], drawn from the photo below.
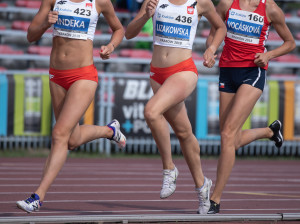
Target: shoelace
[167,178]
[201,199]
[29,200]
[202,195]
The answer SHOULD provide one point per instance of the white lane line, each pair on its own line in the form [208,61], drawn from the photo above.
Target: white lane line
[151,211]
[147,179]
[233,176]
[161,201]
[152,192]
[21,185]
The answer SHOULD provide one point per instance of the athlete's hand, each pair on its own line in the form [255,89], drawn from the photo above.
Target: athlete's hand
[52,17]
[209,58]
[105,51]
[261,59]
[150,7]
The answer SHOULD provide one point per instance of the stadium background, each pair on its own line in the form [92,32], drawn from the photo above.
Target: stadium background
[25,106]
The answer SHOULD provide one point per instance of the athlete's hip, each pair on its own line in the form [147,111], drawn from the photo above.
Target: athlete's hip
[168,56]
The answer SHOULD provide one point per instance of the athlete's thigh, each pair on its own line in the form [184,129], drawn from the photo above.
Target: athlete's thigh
[58,94]
[226,101]
[244,101]
[77,100]
[173,91]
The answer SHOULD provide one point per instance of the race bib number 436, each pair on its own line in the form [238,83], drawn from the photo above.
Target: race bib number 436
[244,26]
[173,29]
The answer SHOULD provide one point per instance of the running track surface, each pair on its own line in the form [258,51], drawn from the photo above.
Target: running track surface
[109,186]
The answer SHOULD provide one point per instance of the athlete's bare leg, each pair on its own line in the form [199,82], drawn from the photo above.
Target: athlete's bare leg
[167,102]
[160,127]
[178,119]
[68,110]
[243,137]
[234,110]
[81,133]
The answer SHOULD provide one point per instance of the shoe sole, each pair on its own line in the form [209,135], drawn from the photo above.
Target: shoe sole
[213,213]
[168,195]
[20,207]
[120,144]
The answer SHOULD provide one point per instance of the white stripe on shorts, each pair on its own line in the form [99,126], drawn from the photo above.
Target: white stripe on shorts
[259,72]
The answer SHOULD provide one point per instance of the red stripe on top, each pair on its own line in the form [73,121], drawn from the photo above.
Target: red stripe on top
[240,54]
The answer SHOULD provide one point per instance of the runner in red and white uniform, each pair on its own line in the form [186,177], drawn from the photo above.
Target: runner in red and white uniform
[243,66]
[173,77]
[73,79]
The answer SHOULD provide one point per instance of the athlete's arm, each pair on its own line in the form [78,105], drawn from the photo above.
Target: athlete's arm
[221,9]
[114,23]
[146,12]
[277,18]
[42,21]
[209,11]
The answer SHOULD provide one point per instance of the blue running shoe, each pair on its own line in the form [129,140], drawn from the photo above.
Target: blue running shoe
[31,204]
[118,136]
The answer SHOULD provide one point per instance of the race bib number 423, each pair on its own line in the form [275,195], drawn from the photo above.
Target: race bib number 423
[72,27]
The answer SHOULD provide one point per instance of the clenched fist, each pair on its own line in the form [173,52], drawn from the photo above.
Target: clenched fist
[52,17]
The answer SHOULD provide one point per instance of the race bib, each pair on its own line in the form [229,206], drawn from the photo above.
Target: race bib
[72,22]
[244,26]
[173,29]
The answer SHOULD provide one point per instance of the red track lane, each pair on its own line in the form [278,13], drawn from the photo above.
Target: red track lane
[111,186]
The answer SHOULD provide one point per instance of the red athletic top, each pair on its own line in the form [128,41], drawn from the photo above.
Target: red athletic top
[247,33]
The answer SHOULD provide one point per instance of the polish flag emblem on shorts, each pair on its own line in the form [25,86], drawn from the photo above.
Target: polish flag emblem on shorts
[190,10]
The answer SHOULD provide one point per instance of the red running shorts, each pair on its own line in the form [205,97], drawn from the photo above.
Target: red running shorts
[161,74]
[65,78]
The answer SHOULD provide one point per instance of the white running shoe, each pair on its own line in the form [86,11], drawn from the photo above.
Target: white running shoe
[118,136]
[203,195]
[31,204]
[169,183]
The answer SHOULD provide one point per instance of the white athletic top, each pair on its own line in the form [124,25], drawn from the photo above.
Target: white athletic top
[175,25]
[76,20]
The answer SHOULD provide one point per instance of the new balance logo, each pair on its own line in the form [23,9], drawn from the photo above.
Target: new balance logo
[51,76]
[61,2]
[151,73]
[164,6]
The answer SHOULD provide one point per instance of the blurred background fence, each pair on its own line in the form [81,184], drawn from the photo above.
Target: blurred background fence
[27,119]
[25,106]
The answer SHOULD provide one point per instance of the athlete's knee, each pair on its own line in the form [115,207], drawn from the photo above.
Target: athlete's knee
[60,135]
[228,133]
[150,114]
[184,133]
